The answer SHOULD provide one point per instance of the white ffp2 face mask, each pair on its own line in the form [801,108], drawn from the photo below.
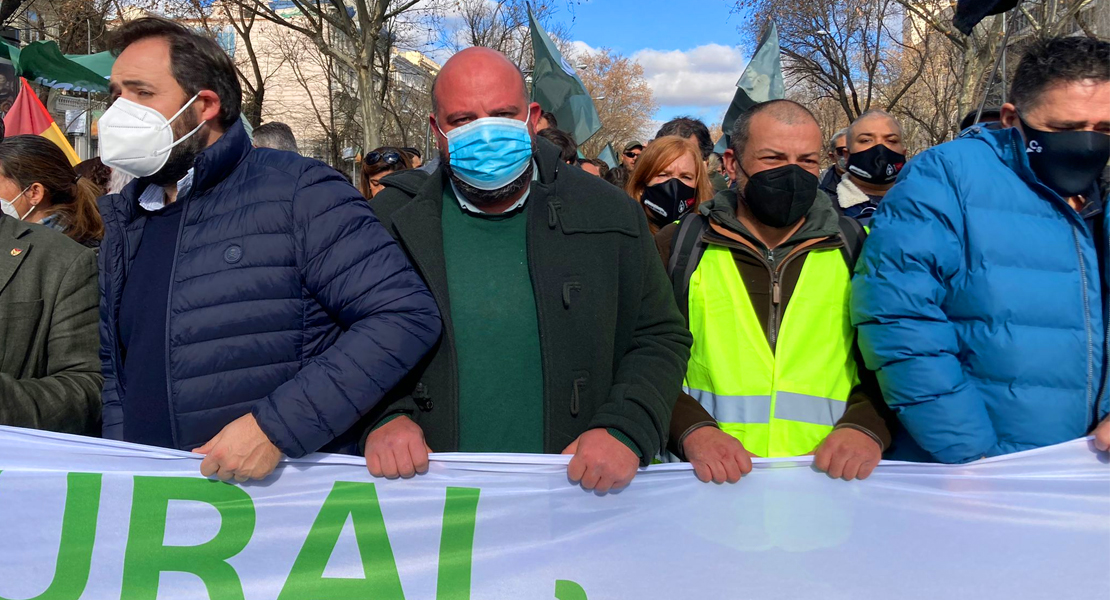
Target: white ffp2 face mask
[8,206]
[137,139]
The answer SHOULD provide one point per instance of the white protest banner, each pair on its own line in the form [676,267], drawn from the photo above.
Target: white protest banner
[90,519]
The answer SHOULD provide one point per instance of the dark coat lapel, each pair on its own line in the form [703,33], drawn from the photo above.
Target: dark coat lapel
[12,248]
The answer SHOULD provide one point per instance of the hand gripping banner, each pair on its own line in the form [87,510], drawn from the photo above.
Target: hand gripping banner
[82,518]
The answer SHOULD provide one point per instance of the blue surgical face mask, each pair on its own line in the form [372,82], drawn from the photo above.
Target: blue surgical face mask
[489,153]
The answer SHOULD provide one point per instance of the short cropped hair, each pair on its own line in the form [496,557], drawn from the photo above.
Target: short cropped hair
[687,127]
[875,112]
[568,148]
[602,167]
[196,62]
[275,135]
[786,111]
[1055,61]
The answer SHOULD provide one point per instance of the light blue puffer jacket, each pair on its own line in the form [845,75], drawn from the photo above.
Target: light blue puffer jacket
[979,303]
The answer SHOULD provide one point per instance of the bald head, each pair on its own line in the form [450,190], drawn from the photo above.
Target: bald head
[785,112]
[875,127]
[771,135]
[478,72]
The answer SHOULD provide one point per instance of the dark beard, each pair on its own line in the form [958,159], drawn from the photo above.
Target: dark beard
[184,154]
[484,198]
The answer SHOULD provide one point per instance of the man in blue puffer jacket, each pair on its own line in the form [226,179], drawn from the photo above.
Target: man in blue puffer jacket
[980,294]
[252,305]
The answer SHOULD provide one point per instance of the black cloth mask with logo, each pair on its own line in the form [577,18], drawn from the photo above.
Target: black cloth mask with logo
[1068,162]
[668,201]
[878,165]
[781,196]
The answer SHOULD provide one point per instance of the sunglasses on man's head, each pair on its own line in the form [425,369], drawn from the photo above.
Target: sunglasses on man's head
[631,154]
[390,158]
[841,150]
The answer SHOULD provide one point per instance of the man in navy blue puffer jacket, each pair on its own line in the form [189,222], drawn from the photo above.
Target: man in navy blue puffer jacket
[252,305]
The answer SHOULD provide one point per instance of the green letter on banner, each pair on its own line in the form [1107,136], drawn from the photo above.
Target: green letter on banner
[146,557]
[71,574]
[456,544]
[381,582]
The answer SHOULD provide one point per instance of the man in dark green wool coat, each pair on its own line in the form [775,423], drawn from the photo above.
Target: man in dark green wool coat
[561,332]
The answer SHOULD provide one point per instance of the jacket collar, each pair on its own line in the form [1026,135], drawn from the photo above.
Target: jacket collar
[13,248]
[848,194]
[214,164]
[1009,145]
[821,220]
[219,160]
[420,232]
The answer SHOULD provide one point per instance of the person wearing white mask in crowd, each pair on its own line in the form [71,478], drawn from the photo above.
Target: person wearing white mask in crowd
[44,188]
[246,294]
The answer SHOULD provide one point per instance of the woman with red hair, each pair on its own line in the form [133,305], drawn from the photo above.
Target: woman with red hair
[670,180]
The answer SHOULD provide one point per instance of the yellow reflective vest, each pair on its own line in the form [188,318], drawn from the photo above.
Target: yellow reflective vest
[780,403]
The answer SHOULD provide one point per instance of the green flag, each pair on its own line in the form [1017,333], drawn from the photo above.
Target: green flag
[760,82]
[44,63]
[609,156]
[558,89]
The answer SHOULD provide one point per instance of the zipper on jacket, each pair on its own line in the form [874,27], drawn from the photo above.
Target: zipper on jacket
[117,300]
[169,306]
[776,295]
[773,318]
[1086,316]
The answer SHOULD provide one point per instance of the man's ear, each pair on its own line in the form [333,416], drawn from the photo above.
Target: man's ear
[534,114]
[1009,115]
[209,105]
[729,161]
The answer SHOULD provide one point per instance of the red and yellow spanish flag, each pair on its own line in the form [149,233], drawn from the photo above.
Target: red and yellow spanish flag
[28,116]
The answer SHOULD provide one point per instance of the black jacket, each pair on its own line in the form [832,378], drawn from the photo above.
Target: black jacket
[614,345]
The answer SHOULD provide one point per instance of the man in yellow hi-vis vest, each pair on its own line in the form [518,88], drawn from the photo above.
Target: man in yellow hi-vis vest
[763,275]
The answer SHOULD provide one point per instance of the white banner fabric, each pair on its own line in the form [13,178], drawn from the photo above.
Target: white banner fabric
[82,518]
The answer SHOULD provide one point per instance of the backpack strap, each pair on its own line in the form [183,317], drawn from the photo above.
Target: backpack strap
[686,250]
[852,234]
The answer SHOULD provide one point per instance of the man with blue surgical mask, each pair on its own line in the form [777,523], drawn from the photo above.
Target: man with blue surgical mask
[561,331]
[251,305]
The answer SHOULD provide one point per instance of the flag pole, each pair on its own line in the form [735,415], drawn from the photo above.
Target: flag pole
[994,71]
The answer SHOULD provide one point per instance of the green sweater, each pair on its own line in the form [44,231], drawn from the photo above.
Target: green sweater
[497,342]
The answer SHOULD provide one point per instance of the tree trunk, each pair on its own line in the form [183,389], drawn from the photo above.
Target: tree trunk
[252,109]
[369,108]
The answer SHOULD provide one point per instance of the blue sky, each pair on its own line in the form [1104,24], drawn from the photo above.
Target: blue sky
[690,49]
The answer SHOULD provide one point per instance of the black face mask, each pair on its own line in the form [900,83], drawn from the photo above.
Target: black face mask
[668,201]
[780,197]
[878,165]
[1068,162]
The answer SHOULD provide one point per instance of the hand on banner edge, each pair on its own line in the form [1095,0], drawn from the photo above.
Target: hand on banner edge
[397,449]
[1102,435]
[848,454]
[240,451]
[716,456]
[601,462]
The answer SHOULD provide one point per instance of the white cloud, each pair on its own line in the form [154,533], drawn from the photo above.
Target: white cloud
[702,76]
[580,48]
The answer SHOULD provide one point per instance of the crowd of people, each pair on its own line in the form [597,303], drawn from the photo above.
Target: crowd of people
[230,297]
